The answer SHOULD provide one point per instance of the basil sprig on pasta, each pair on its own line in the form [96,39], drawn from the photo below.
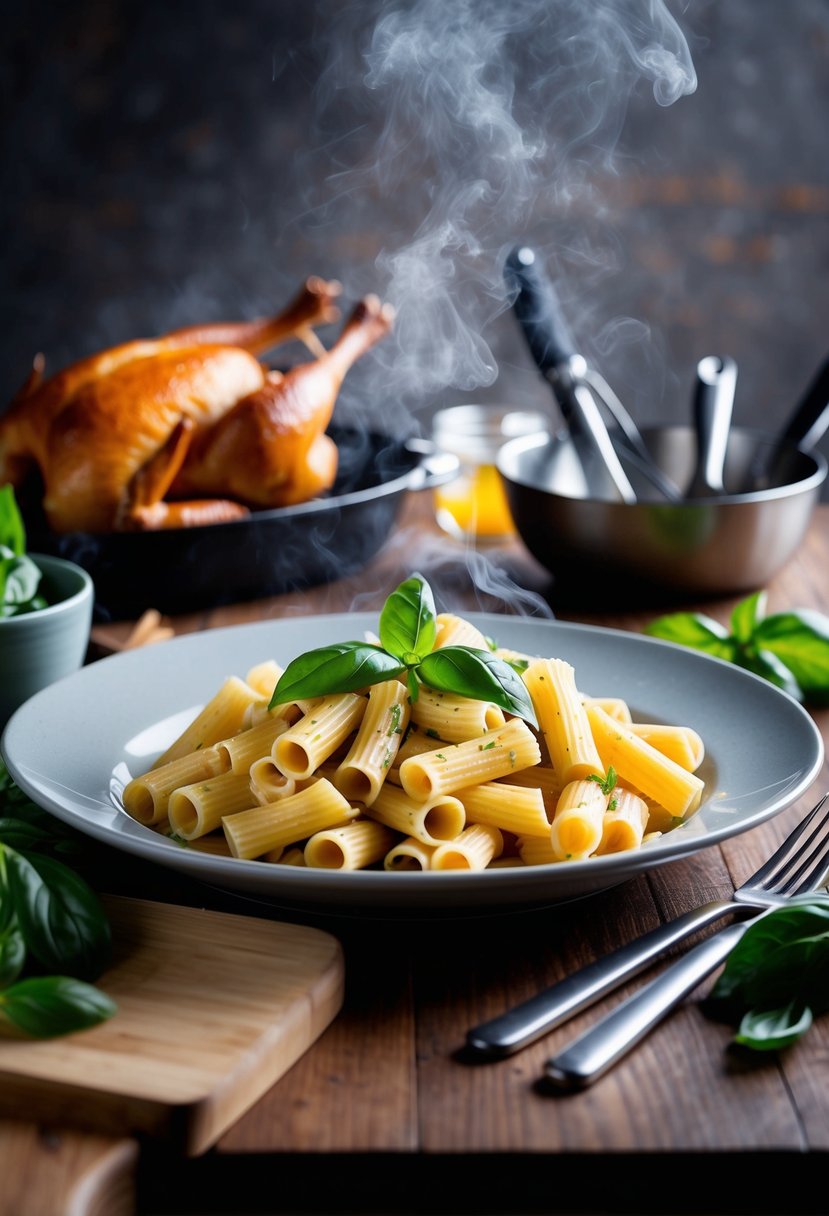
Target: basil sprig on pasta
[407,632]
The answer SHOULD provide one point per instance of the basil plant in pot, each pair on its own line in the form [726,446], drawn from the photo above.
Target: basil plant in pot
[45,613]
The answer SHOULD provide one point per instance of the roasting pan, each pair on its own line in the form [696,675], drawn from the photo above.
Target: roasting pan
[268,553]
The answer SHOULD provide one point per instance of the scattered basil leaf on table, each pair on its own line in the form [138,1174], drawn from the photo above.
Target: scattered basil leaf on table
[776,978]
[407,631]
[789,649]
[50,918]
[60,917]
[51,1005]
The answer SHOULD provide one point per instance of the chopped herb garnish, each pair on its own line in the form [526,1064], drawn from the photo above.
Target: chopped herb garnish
[607,783]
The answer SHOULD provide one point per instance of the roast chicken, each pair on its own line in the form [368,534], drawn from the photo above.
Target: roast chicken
[189,428]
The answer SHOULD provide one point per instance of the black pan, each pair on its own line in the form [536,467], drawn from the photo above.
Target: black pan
[271,552]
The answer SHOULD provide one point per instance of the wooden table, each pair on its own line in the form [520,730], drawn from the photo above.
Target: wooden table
[384,1114]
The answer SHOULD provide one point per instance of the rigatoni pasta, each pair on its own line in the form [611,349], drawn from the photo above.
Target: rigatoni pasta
[563,719]
[452,766]
[360,775]
[642,766]
[381,779]
[254,832]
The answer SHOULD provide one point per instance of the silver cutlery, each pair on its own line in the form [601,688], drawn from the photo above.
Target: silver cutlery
[714,388]
[782,875]
[595,1051]
[802,431]
[579,389]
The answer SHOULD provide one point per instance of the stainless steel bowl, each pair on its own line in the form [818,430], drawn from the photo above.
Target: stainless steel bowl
[730,543]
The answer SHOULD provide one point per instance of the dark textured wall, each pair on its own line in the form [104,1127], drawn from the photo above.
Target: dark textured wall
[167,163]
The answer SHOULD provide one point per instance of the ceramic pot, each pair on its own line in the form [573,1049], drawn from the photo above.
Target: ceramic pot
[37,648]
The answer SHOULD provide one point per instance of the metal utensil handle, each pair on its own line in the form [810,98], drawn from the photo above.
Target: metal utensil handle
[591,1055]
[518,1027]
[538,309]
[713,403]
[810,420]
[586,422]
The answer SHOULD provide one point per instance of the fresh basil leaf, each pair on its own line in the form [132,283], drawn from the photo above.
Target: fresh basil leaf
[22,581]
[19,834]
[343,667]
[47,1006]
[774,1029]
[60,916]
[413,685]
[764,663]
[12,531]
[518,665]
[12,955]
[800,640]
[781,957]
[479,674]
[407,621]
[746,615]
[696,630]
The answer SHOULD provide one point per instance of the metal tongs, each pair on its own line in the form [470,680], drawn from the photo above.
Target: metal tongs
[578,388]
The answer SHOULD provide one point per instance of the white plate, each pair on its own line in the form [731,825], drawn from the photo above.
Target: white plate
[71,747]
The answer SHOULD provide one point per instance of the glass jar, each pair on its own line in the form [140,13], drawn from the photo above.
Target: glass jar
[473,506]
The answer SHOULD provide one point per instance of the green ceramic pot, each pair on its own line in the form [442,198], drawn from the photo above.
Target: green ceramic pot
[40,647]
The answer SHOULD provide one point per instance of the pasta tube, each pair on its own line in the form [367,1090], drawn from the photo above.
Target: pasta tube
[534,851]
[624,823]
[146,797]
[221,717]
[679,743]
[252,744]
[352,847]
[577,825]
[563,720]
[432,822]
[453,766]
[264,677]
[415,743]
[409,854]
[639,764]
[213,843]
[513,808]
[454,718]
[615,706]
[267,784]
[194,810]
[454,630]
[474,849]
[542,777]
[257,831]
[362,773]
[294,856]
[303,748]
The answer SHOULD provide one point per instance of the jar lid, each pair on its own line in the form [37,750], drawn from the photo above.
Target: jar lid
[478,431]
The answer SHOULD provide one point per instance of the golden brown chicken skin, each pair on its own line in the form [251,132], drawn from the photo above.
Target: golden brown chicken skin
[114,434]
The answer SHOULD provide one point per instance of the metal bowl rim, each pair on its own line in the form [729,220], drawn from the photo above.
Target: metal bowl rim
[523,443]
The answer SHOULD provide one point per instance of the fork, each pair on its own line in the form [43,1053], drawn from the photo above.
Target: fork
[779,877]
[592,1053]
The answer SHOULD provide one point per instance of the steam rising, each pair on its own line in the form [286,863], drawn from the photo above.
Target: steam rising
[483,120]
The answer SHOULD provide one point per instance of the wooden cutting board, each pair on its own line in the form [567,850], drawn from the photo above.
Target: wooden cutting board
[212,1009]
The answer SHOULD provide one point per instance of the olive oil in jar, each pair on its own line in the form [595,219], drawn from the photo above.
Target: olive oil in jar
[473,506]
